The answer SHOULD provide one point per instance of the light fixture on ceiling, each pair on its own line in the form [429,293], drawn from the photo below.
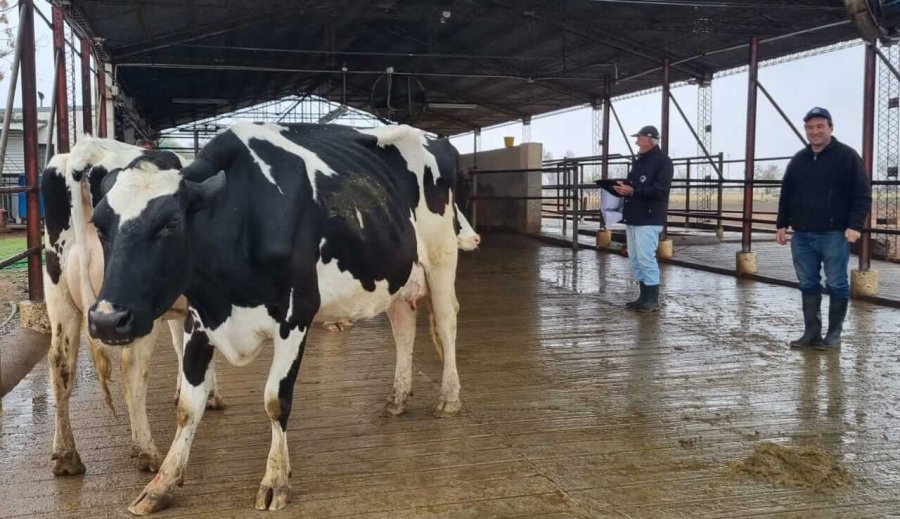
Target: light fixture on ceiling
[453,106]
[337,113]
[199,101]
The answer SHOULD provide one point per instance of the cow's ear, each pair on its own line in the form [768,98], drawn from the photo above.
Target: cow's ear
[106,180]
[201,194]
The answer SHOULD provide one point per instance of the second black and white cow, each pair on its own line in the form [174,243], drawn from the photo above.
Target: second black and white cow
[268,229]
[73,273]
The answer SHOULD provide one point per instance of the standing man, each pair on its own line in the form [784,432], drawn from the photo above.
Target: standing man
[644,213]
[825,197]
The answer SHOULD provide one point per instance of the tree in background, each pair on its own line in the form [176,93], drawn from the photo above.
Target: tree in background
[8,45]
[768,172]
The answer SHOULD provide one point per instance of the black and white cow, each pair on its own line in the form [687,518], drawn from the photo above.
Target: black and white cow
[270,228]
[73,273]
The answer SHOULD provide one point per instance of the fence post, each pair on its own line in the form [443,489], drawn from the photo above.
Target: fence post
[720,231]
[687,194]
[576,191]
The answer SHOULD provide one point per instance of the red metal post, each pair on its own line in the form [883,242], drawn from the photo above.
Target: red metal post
[62,103]
[750,150]
[868,147]
[664,143]
[29,121]
[101,88]
[607,99]
[86,101]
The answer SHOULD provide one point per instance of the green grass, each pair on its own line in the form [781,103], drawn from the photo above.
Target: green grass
[10,245]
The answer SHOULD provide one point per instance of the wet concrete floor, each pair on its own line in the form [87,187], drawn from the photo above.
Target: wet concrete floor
[701,249]
[573,407]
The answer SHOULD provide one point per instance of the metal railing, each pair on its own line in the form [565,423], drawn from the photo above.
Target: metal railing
[568,193]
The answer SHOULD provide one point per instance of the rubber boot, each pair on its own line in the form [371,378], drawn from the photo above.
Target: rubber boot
[837,311]
[812,322]
[636,302]
[651,299]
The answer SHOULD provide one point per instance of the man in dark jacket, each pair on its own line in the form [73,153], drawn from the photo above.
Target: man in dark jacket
[644,213]
[825,197]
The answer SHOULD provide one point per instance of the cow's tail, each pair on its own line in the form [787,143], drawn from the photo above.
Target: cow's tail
[103,365]
[435,336]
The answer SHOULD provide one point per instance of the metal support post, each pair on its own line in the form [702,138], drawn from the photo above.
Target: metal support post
[719,195]
[607,101]
[868,147]
[687,193]
[29,121]
[86,99]
[102,130]
[750,149]
[665,107]
[576,199]
[62,103]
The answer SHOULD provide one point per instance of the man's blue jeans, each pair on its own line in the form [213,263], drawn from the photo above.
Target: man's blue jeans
[643,241]
[813,250]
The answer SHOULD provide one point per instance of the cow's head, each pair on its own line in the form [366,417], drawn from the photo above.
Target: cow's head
[142,223]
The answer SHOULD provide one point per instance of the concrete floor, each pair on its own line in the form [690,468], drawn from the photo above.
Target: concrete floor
[573,407]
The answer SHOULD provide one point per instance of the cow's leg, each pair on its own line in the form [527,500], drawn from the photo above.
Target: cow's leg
[274,490]
[135,365]
[65,320]
[176,328]
[441,283]
[403,324]
[215,401]
[195,376]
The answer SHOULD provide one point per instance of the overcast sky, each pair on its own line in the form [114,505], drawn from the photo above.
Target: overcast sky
[833,80]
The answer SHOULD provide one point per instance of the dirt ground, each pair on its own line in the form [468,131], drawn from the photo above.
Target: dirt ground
[13,279]
[808,466]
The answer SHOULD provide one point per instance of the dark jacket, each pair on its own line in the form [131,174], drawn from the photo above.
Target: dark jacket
[828,191]
[650,176]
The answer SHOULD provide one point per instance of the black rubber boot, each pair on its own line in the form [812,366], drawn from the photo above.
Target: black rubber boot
[636,302]
[651,299]
[837,311]
[812,322]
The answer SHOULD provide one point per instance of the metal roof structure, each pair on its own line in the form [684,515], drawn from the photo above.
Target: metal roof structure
[446,66]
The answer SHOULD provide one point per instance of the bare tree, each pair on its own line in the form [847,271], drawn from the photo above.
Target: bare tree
[8,45]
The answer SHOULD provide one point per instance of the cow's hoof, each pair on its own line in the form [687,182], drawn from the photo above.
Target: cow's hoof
[393,408]
[447,409]
[148,502]
[215,402]
[148,461]
[268,498]
[67,464]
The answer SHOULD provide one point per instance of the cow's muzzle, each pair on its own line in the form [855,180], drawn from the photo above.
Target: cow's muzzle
[111,324]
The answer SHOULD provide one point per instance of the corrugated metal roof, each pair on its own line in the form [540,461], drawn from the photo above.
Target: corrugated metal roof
[475,63]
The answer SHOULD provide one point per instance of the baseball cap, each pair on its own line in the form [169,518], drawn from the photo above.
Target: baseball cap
[648,131]
[817,111]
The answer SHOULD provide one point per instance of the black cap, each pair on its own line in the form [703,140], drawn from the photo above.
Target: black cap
[648,131]
[818,111]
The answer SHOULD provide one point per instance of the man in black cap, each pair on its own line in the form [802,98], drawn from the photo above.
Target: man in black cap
[644,213]
[825,197]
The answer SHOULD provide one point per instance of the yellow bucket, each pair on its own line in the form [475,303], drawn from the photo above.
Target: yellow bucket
[509,141]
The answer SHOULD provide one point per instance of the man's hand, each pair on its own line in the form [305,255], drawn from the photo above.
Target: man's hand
[781,236]
[623,189]
[851,235]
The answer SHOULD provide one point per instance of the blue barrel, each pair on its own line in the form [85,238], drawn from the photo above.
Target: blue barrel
[23,204]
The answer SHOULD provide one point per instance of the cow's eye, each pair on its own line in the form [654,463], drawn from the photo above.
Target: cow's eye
[169,228]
